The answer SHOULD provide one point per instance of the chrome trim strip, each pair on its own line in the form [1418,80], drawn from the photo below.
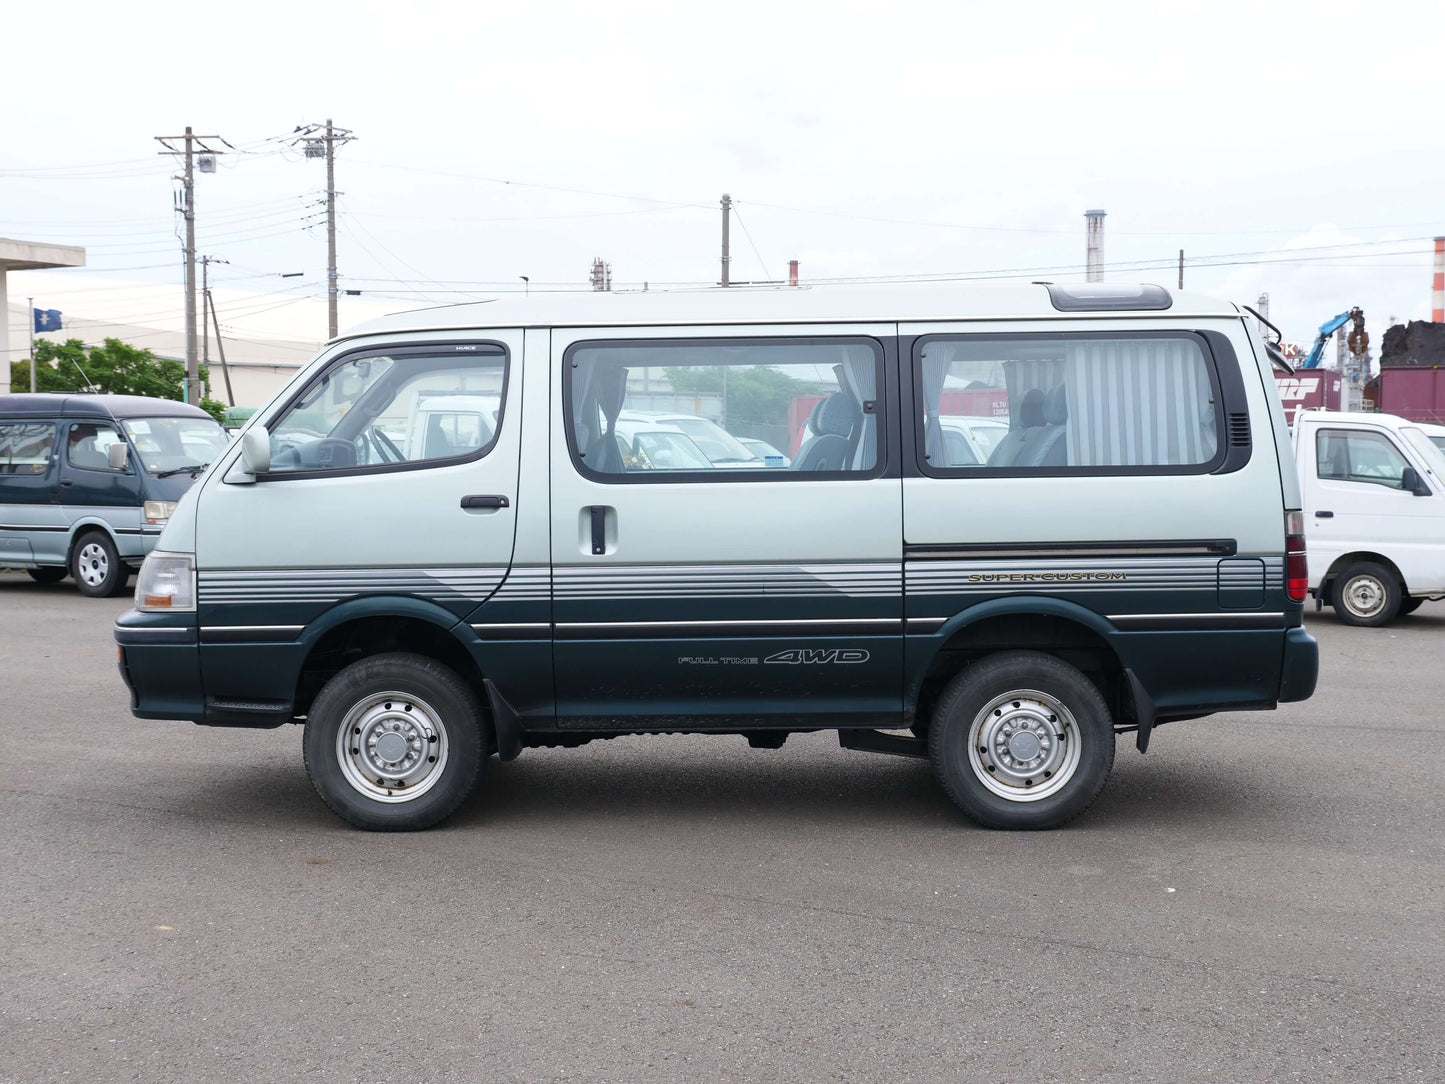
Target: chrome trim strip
[154,628]
[772,622]
[509,625]
[252,628]
[1192,617]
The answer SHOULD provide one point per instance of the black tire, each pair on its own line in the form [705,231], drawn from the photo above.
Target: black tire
[1005,697]
[1366,594]
[1409,605]
[48,574]
[96,567]
[422,709]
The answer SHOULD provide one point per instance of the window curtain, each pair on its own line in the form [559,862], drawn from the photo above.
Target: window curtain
[858,373]
[1136,402]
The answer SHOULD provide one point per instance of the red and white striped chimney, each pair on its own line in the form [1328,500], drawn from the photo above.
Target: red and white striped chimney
[1437,292]
[792,272]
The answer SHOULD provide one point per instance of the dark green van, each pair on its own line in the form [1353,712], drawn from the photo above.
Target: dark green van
[88,481]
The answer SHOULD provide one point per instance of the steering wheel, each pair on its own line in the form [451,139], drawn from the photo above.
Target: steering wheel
[380,439]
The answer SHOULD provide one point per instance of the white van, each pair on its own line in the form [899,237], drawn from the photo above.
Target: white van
[1374,502]
[1127,553]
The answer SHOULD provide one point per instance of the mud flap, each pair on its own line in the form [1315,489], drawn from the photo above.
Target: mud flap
[1143,710]
[505,723]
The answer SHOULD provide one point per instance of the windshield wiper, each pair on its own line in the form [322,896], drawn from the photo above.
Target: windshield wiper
[194,468]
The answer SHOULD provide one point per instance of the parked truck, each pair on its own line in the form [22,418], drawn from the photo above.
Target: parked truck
[1373,490]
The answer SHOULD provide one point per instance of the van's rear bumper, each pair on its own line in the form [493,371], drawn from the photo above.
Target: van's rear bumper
[1301,668]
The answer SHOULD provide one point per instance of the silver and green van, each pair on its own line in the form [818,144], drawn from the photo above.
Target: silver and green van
[1014,523]
[88,481]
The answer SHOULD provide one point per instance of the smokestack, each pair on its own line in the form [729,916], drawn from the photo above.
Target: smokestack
[792,272]
[1437,293]
[1094,260]
[1263,305]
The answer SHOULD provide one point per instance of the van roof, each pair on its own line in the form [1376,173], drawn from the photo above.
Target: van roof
[71,405]
[772,304]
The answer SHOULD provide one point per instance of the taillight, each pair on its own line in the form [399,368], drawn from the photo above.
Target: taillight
[1296,564]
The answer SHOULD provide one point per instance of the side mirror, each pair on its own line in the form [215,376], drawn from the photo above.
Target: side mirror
[1411,482]
[256,451]
[118,455]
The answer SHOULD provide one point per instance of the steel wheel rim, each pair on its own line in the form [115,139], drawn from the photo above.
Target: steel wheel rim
[1364,595]
[392,747]
[1024,745]
[94,564]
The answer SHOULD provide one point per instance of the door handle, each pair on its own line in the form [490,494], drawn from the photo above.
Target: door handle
[485,500]
[68,482]
[599,529]
[1324,515]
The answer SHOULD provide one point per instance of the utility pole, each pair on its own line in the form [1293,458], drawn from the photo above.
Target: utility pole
[30,310]
[194,145]
[727,206]
[319,141]
[209,306]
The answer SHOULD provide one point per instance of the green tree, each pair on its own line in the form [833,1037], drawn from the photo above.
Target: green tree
[114,368]
[756,394]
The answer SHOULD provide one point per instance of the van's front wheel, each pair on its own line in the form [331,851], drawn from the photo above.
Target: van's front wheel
[394,743]
[1022,740]
[96,566]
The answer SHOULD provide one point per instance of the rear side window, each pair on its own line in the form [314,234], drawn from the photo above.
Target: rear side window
[398,411]
[724,410]
[1353,455]
[1058,404]
[26,447]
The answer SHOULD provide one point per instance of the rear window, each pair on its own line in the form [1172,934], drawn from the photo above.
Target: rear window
[1061,404]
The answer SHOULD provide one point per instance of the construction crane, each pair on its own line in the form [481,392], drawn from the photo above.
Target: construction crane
[1357,340]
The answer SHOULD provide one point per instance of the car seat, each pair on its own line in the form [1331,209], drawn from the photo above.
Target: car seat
[833,421]
[1047,448]
[1011,451]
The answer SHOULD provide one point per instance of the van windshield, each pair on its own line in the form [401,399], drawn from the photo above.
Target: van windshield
[1426,449]
[164,444]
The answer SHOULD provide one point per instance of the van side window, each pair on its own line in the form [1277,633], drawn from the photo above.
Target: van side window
[1359,456]
[399,410]
[752,410]
[88,444]
[1059,404]
[26,447]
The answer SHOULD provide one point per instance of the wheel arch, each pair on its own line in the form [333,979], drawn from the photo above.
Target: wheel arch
[1345,560]
[1053,626]
[362,627]
[84,526]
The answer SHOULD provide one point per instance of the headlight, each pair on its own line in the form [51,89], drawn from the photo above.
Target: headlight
[158,511]
[167,583]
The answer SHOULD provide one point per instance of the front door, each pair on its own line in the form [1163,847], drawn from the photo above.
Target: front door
[726,529]
[393,473]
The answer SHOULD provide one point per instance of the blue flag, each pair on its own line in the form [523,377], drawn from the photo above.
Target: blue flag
[47,319]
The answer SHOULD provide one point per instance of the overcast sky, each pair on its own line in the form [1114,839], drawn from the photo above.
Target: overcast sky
[1280,143]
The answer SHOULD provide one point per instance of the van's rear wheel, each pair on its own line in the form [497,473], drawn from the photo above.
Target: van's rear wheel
[394,743]
[96,565]
[1022,740]
[1366,594]
[47,574]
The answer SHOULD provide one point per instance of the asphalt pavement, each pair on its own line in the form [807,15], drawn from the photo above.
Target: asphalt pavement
[1258,898]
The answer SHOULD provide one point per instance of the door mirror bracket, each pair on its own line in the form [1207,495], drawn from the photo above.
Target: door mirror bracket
[1411,482]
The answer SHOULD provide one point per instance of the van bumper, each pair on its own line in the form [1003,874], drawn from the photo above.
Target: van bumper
[1301,667]
[160,663]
